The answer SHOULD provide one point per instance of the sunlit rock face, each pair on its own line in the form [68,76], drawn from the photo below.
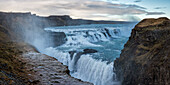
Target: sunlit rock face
[145,57]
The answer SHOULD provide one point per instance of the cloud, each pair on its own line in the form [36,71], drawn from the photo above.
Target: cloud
[155,13]
[138,1]
[119,18]
[160,8]
[74,5]
[75,8]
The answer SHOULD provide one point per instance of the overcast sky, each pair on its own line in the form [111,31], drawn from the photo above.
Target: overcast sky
[118,10]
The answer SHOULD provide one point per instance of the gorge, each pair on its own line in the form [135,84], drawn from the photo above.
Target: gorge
[89,50]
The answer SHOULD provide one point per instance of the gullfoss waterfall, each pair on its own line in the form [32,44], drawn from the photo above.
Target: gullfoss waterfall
[90,50]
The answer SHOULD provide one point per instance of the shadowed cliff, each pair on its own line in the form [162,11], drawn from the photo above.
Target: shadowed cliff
[145,59]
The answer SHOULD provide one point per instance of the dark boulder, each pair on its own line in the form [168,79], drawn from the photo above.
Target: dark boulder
[117,31]
[86,51]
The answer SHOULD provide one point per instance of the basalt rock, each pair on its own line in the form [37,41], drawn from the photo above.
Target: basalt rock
[145,59]
[86,51]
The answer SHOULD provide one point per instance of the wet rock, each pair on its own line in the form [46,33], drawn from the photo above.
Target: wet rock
[55,82]
[41,75]
[71,53]
[57,38]
[117,31]
[35,81]
[52,69]
[79,54]
[86,51]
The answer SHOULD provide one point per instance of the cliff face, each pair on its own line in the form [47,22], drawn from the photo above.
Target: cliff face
[145,59]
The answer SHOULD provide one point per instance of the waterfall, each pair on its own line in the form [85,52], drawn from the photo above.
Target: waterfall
[95,71]
[78,37]
[96,68]
[86,68]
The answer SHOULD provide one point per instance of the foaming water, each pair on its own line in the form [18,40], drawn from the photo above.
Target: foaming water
[86,68]
[96,68]
[61,56]
[84,36]
[95,71]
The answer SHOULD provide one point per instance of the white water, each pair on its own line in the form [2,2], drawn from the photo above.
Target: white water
[96,71]
[96,68]
[79,37]
[87,68]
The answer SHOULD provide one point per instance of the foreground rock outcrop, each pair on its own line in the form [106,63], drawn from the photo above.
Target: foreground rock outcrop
[46,70]
[145,59]
[21,64]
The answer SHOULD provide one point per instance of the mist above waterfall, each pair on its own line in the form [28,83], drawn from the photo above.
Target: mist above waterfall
[29,28]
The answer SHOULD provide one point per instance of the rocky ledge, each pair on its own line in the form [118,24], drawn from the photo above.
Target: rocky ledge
[145,59]
[21,64]
[46,70]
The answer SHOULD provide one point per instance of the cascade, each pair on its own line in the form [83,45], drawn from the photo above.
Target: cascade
[96,67]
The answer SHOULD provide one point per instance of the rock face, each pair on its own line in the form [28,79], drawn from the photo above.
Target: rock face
[145,59]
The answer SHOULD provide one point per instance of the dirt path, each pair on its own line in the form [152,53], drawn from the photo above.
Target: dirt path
[46,70]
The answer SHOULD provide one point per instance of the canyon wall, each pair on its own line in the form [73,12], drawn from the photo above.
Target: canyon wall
[145,59]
